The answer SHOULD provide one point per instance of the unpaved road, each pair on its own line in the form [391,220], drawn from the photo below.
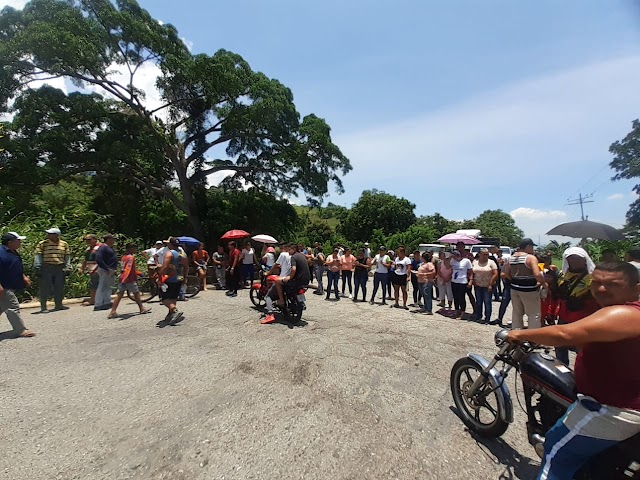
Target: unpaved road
[360,392]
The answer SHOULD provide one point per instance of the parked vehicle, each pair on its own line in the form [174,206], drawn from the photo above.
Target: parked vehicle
[506,251]
[435,248]
[484,402]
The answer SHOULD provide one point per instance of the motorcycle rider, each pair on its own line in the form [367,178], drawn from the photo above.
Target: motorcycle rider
[297,277]
[606,373]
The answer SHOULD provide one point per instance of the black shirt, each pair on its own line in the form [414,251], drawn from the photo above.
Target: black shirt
[302,275]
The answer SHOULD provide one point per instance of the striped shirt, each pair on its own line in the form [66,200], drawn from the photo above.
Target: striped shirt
[523,278]
[53,253]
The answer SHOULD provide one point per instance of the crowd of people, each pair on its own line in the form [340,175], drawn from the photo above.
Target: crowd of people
[592,308]
[452,280]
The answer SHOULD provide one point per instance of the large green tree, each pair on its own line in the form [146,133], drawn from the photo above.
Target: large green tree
[498,224]
[217,114]
[626,163]
[378,210]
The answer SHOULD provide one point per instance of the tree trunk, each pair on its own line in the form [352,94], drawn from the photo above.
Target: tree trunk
[192,211]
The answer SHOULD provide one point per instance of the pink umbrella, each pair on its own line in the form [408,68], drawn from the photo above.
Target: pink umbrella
[458,237]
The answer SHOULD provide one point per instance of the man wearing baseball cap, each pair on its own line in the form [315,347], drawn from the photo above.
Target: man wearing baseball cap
[52,263]
[12,279]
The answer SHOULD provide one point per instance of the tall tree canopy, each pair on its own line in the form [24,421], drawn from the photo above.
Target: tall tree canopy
[498,224]
[217,114]
[626,163]
[378,210]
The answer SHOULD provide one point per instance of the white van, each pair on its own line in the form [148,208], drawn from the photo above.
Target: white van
[435,248]
[506,251]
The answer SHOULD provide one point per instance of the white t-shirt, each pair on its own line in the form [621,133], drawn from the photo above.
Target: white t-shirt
[367,252]
[460,268]
[401,265]
[247,257]
[284,260]
[150,254]
[270,259]
[378,260]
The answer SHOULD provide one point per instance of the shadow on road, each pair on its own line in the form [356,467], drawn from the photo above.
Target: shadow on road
[501,453]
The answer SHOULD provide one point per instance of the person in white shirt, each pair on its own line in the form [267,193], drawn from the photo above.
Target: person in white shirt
[150,255]
[461,280]
[248,259]
[382,263]
[402,270]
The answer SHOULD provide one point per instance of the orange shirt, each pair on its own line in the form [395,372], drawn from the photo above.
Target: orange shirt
[347,262]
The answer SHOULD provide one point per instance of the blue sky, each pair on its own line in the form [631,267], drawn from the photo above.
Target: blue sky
[459,106]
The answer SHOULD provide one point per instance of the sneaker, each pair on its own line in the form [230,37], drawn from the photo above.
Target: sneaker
[175,318]
[350,297]
[428,313]
[270,318]
[234,294]
[60,307]
[370,302]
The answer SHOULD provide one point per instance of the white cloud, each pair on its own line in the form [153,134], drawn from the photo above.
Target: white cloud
[615,196]
[524,213]
[13,3]
[188,43]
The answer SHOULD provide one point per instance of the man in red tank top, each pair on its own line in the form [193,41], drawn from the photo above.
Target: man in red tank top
[606,372]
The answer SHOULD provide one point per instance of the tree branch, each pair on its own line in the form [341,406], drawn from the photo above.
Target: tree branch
[201,151]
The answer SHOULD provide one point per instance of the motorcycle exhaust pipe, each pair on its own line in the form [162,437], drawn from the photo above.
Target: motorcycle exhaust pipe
[538,444]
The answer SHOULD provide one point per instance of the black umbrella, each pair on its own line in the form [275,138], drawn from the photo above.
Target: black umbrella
[587,229]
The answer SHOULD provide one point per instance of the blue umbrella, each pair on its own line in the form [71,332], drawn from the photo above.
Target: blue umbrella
[194,242]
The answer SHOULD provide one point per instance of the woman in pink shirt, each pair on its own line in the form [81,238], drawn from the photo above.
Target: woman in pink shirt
[444,279]
[347,264]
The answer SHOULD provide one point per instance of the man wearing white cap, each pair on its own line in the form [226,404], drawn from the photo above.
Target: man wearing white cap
[52,263]
[12,279]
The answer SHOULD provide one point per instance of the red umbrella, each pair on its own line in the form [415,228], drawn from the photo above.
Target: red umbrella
[231,234]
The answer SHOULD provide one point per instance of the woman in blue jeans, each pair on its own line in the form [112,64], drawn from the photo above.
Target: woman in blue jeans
[333,273]
[485,274]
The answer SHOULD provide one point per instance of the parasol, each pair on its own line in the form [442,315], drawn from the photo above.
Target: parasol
[587,229]
[264,238]
[189,241]
[232,234]
[458,237]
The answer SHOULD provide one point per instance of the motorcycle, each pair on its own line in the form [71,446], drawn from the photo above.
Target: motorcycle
[294,298]
[484,403]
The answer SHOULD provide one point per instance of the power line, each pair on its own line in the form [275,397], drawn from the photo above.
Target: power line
[581,201]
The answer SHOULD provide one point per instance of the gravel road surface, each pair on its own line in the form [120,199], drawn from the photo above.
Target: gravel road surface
[358,392]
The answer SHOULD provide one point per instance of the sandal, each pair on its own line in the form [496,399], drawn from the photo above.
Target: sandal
[112,315]
[26,334]
[145,311]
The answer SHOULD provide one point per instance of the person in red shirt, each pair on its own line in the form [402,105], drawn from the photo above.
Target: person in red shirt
[550,302]
[127,281]
[606,372]
[234,270]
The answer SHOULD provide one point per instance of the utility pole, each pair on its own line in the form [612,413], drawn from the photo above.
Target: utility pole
[581,201]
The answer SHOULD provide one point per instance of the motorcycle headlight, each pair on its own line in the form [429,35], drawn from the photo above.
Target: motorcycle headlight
[501,337]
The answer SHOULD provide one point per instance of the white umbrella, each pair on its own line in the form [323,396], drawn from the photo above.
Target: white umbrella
[264,239]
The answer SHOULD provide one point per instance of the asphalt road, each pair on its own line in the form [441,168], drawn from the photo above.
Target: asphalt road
[359,392]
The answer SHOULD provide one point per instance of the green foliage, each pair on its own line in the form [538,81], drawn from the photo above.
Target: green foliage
[626,163]
[210,102]
[498,224]
[596,247]
[440,225]
[412,237]
[380,210]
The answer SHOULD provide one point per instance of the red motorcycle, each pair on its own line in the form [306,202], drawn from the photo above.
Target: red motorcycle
[294,298]
[258,291]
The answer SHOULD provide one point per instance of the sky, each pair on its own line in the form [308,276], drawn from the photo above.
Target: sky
[458,106]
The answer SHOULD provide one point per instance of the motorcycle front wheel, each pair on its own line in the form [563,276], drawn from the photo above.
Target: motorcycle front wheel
[257,299]
[481,413]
